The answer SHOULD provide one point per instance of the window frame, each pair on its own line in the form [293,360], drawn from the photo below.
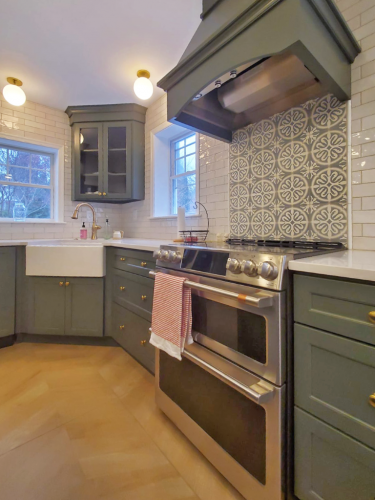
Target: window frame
[172,168]
[57,151]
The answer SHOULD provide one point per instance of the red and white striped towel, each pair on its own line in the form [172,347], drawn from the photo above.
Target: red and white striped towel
[171,315]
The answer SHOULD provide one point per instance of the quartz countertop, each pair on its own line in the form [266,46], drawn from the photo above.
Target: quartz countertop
[353,264]
[135,243]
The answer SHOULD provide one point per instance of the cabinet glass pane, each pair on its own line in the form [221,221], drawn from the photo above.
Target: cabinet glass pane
[116,160]
[89,160]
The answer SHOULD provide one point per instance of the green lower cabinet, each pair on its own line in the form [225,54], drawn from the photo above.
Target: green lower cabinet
[46,306]
[84,307]
[65,306]
[132,332]
[7,290]
[329,465]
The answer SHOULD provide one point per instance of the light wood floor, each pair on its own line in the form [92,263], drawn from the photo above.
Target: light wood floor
[80,422]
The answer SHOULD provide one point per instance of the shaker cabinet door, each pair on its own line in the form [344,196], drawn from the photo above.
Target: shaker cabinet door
[7,290]
[46,306]
[117,160]
[84,305]
[88,161]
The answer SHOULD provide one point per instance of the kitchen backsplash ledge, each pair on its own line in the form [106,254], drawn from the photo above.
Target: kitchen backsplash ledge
[288,175]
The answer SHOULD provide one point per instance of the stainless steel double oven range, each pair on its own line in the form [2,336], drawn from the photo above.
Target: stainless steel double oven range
[228,394]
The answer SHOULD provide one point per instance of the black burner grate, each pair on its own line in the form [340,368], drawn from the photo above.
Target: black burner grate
[313,245]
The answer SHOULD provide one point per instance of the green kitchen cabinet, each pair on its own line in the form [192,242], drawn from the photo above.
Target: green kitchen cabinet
[108,152]
[7,290]
[65,306]
[329,465]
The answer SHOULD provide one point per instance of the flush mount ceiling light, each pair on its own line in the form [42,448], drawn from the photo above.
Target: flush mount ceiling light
[13,92]
[143,87]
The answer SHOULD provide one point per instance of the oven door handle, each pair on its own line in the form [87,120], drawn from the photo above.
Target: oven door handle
[261,300]
[256,392]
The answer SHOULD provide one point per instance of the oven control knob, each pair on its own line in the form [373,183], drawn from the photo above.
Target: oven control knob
[174,257]
[268,271]
[249,268]
[157,254]
[233,266]
[164,255]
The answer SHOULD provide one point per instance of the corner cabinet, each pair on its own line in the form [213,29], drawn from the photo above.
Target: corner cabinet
[108,152]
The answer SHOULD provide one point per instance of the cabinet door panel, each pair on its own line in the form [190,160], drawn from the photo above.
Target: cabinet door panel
[329,465]
[84,307]
[46,306]
[117,160]
[88,160]
[7,290]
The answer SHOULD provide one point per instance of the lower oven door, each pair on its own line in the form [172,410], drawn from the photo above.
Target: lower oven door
[234,418]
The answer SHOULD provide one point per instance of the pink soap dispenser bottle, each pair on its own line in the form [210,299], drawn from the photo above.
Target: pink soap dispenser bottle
[83,232]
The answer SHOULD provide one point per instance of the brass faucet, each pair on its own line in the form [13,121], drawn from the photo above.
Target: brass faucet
[95,227]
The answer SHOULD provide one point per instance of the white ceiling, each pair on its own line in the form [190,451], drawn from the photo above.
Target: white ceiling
[75,52]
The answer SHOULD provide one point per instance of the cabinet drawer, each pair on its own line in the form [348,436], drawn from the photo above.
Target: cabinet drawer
[330,465]
[134,292]
[133,334]
[336,306]
[334,379]
[134,261]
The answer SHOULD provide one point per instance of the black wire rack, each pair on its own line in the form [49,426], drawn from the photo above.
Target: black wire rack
[196,235]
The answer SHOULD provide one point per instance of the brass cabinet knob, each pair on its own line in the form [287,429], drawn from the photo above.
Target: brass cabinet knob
[104,194]
[371,400]
[122,327]
[143,264]
[61,283]
[122,288]
[143,297]
[99,194]
[122,259]
[371,316]
[143,342]
[67,283]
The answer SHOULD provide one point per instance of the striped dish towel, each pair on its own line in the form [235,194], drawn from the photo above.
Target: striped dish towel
[171,315]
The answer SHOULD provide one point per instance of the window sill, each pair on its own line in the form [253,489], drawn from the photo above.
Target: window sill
[173,217]
[30,221]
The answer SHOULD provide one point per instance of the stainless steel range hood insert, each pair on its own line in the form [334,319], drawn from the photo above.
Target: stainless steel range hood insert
[250,59]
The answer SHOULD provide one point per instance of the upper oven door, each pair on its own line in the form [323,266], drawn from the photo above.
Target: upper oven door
[250,333]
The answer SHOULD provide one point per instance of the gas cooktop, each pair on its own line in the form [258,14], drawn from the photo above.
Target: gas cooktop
[261,263]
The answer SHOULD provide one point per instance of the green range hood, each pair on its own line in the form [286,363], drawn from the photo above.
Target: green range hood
[250,59]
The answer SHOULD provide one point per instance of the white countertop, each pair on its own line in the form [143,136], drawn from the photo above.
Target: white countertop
[353,264]
[136,243]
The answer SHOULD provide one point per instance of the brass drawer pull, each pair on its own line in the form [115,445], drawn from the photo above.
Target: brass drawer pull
[143,297]
[99,194]
[143,342]
[67,283]
[371,316]
[122,327]
[371,400]
[122,259]
[143,264]
[122,288]
[104,194]
[61,283]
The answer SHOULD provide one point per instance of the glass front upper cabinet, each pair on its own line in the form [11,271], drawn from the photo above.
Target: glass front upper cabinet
[108,152]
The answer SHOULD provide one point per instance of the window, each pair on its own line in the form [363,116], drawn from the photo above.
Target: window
[184,174]
[26,177]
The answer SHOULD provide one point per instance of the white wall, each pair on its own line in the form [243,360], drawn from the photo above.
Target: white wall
[213,183]
[360,15]
[36,122]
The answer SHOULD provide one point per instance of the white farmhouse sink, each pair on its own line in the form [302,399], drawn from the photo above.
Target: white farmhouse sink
[65,258]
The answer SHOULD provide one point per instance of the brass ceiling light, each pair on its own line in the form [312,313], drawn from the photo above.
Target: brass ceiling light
[13,93]
[143,87]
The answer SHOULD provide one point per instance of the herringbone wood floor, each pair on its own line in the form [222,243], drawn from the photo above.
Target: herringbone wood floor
[80,422]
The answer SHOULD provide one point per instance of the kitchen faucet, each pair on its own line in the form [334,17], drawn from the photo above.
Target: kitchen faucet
[95,226]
